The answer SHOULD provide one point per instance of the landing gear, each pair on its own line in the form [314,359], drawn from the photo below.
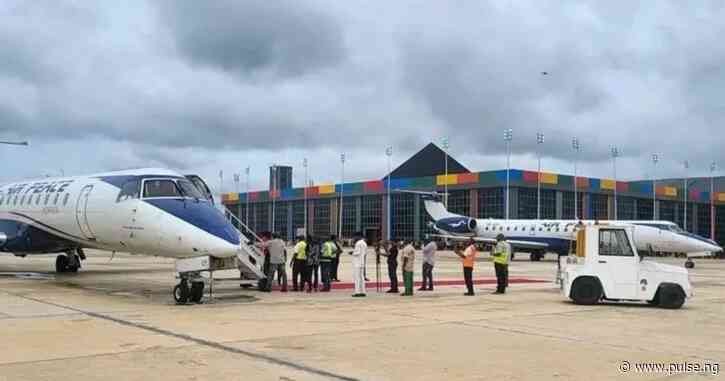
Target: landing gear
[689,264]
[536,256]
[189,290]
[68,263]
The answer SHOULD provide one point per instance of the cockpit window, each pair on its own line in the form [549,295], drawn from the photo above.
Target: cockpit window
[160,188]
[130,190]
[189,190]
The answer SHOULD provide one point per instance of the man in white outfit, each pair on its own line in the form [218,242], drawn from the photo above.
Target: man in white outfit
[359,255]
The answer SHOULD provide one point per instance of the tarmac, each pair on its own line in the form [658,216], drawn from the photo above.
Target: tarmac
[116,320]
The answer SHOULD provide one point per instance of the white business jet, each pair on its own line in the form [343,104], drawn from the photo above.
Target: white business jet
[154,212]
[541,236]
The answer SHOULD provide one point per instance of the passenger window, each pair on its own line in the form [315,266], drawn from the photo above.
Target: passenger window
[22,200]
[55,201]
[37,200]
[65,199]
[160,188]
[129,190]
[15,200]
[47,198]
[615,243]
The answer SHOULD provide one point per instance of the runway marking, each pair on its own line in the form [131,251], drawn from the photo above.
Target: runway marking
[199,341]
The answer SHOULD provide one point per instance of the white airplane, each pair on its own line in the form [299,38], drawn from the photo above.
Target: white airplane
[154,212]
[541,236]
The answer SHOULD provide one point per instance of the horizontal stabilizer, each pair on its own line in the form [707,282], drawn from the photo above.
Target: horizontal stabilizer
[514,242]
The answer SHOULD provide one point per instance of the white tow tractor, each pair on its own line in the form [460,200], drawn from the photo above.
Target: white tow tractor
[606,266]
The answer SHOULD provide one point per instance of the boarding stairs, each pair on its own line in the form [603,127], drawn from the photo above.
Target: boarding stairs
[250,259]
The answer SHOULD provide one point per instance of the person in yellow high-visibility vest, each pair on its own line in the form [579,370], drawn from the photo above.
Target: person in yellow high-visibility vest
[329,252]
[298,263]
[501,256]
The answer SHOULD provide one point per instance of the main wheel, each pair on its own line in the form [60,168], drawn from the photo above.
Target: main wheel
[61,264]
[586,291]
[181,292]
[689,264]
[671,296]
[197,292]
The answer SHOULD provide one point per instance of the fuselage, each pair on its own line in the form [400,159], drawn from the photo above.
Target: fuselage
[146,211]
[660,236]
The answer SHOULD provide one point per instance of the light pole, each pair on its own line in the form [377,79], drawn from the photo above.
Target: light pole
[221,185]
[342,190]
[246,201]
[508,134]
[272,193]
[389,154]
[445,182]
[236,189]
[575,145]
[615,155]
[713,167]
[655,159]
[539,141]
[304,164]
[685,196]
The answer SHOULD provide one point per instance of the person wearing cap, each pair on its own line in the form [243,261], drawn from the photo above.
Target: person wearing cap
[501,255]
[469,258]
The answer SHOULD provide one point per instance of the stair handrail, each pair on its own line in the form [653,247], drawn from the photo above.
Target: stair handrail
[242,224]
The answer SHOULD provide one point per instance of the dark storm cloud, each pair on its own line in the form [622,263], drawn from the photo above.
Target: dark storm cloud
[286,37]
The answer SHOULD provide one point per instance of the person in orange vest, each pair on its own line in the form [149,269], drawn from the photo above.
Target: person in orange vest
[469,258]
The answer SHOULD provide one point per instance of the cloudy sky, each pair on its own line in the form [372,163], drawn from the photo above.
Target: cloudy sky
[201,86]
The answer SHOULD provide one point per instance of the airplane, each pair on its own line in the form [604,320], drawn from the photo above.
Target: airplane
[540,236]
[152,211]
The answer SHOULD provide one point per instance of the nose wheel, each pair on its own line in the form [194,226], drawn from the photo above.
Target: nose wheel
[67,263]
[187,291]
[689,264]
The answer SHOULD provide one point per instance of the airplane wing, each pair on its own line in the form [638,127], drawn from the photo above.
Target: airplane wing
[516,243]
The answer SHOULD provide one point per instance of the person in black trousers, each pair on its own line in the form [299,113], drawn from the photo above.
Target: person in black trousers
[336,262]
[390,250]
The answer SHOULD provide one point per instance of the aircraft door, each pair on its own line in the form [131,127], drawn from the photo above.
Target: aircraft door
[82,213]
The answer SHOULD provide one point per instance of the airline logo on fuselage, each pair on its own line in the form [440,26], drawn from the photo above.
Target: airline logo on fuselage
[39,187]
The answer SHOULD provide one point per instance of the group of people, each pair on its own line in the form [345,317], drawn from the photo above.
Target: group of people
[315,259]
[312,260]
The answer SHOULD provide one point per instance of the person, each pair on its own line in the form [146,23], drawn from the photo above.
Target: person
[501,255]
[390,251]
[469,258]
[264,238]
[408,258]
[313,262]
[299,258]
[277,260]
[429,252]
[327,260]
[335,263]
[358,265]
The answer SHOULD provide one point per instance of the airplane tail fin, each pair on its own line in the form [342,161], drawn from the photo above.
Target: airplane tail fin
[436,209]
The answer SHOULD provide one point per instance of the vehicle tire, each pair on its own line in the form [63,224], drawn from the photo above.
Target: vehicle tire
[181,293]
[586,291]
[689,265]
[197,292]
[671,296]
[61,264]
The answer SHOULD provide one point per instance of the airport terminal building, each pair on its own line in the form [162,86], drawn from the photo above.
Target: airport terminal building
[475,194]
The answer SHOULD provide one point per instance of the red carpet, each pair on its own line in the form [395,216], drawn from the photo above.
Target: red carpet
[447,282]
